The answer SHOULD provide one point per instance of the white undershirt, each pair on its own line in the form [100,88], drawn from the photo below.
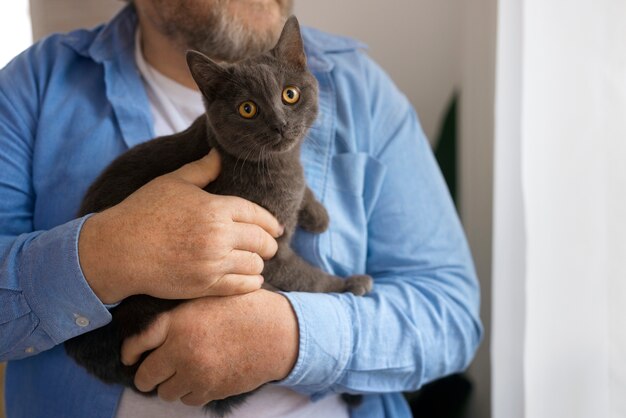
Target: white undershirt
[174,107]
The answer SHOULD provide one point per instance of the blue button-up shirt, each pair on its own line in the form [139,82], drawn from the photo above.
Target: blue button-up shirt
[72,103]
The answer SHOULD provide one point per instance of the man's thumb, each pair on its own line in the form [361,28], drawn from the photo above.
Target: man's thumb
[200,172]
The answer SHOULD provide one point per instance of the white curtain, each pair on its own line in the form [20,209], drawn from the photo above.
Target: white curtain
[567,116]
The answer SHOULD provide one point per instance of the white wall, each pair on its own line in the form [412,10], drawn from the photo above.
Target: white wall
[476,169]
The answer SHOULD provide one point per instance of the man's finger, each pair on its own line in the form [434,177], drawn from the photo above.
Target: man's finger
[154,370]
[173,389]
[248,212]
[235,284]
[200,172]
[253,238]
[152,337]
[195,399]
[244,262]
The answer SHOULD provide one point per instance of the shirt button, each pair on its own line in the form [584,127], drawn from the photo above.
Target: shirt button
[82,322]
[30,350]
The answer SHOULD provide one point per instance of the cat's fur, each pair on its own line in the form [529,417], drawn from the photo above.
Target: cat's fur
[260,162]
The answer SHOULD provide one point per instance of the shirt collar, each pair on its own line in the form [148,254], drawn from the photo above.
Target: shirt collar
[105,42]
[320,45]
[113,45]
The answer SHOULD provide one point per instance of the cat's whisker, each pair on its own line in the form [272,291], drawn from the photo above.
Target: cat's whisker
[315,144]
[266,165]
[235,166]
[266,170]
[261,164]
[250,151]
[312,139]
[273,157]
[258,167]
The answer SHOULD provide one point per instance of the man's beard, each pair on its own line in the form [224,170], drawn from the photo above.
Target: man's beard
[216,32]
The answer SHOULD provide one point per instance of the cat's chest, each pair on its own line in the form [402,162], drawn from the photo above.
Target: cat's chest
[278,190]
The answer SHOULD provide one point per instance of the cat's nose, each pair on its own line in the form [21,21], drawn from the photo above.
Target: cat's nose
[280,127]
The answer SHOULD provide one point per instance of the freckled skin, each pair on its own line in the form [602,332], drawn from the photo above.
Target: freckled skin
[260,162]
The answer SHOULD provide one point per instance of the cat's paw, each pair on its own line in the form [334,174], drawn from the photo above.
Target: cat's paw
[315,219]
[359,284]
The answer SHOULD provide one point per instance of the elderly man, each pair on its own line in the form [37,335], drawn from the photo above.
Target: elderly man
[72,103]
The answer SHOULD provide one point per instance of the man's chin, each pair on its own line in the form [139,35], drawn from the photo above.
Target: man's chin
[227,30]
[235,39]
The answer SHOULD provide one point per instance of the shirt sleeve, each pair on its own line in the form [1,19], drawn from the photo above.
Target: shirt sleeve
[421,321]
[44,297]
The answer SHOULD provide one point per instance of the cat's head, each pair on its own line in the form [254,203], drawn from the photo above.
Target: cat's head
[263,105]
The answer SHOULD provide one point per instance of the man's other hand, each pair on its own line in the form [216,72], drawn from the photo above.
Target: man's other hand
[211,348]
[170,239]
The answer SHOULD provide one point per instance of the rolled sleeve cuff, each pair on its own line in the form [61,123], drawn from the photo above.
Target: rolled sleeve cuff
[55,287]
[325,342]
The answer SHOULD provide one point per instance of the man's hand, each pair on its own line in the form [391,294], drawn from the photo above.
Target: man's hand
[212,348]
[170,239]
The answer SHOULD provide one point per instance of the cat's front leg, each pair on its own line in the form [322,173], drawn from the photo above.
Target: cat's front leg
[312,216]
[288,271]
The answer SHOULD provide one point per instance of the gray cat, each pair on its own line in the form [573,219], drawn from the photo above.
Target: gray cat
[258,113]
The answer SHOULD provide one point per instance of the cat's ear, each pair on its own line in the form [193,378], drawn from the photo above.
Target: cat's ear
[205,72]
[290,47]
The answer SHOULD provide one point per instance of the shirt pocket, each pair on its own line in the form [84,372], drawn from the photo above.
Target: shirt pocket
[352,188]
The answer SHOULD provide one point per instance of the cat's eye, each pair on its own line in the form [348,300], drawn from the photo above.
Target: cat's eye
[291,95]
[248,109]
